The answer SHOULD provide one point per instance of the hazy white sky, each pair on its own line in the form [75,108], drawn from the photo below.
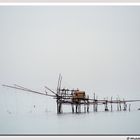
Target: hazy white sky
[95,48]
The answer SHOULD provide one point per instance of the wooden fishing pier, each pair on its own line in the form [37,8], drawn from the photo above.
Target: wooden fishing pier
[77,99]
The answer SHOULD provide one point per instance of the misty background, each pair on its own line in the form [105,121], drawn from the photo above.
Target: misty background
[95,48]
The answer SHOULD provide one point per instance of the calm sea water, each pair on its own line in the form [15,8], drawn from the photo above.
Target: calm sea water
[116,122]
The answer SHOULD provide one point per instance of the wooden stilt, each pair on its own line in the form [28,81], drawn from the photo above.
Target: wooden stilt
[96,107]
[111,105]
[87,106]
[117,105]
[124,109]
[120,106]
[84,106]
[79,108]
[129,106]
[72,108]
[76,108]
[60,108]
[106,107]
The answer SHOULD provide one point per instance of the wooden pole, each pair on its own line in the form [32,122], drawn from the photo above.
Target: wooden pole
[120,106]
[129,106]
[106,107]
[85,106]
[76,107]
[94,109]
[72,108]
[111,105]
[117,104]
